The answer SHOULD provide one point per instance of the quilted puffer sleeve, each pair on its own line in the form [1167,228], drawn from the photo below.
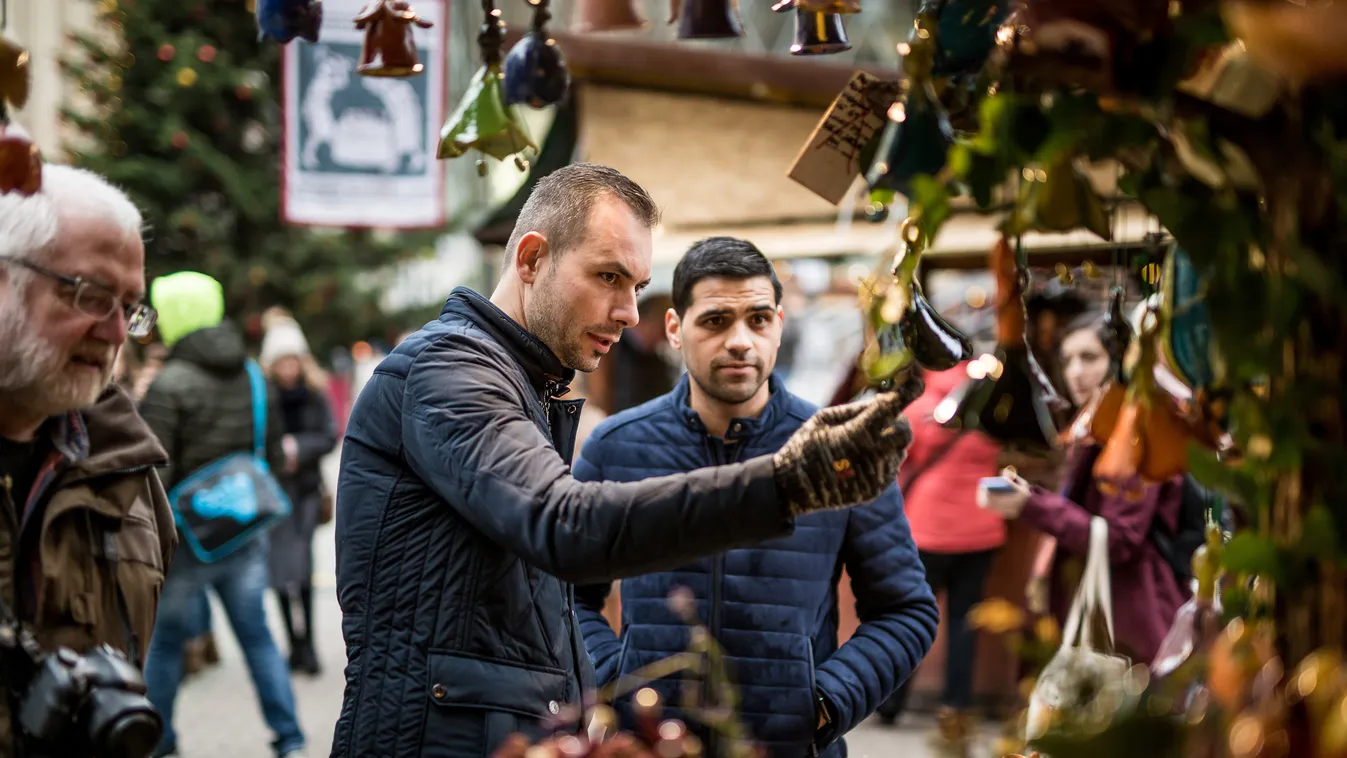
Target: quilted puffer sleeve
[468,437]
[897,611]
[603,645]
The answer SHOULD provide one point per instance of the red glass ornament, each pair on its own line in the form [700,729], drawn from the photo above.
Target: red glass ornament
[166,52]
[206,54]
[20,165]
[180,140]
[243,92]
[390,47]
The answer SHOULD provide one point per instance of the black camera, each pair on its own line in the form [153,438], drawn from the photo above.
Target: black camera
[79,705]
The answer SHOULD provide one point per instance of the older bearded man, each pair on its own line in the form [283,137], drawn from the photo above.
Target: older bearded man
[85,530]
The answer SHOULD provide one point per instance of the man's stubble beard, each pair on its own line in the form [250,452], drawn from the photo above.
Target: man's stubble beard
[548,317]
[35,375]
[726,395]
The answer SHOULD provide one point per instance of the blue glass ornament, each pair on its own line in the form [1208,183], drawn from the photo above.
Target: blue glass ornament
[283,20]
[535,72]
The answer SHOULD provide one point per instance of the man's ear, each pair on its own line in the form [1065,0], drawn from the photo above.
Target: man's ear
[781,315]
[530,256]
[673,329]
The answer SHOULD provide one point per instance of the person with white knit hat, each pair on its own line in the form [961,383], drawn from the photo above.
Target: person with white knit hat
[309,435]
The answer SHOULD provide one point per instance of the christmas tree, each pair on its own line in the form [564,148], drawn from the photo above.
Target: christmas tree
[186,117]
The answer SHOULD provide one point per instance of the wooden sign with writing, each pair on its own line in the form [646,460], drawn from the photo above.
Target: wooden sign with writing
[834,154]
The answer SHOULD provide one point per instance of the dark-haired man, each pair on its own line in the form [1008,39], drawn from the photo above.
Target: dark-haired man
[459,526]
[773,606]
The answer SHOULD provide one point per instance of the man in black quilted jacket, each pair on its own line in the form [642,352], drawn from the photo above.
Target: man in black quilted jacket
[459,527]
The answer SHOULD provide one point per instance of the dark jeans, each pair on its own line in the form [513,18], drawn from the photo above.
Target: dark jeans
[961,576]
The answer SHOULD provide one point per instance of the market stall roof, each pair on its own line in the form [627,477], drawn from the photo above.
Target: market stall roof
[965,236]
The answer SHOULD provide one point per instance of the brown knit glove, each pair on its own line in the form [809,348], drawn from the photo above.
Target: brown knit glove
[847,454]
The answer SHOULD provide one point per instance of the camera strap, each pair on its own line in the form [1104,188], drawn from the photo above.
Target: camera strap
[108,552]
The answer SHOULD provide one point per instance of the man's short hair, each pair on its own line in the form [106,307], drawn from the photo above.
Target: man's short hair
[719,258]
[29,224]
[560,205]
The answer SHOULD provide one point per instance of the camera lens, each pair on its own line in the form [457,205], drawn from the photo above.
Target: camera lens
[122,724]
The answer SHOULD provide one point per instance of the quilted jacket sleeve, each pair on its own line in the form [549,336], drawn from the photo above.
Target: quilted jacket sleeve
[601,642]
[468,437]
[897,611]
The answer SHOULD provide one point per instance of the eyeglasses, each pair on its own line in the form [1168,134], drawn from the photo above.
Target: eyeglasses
[96,300]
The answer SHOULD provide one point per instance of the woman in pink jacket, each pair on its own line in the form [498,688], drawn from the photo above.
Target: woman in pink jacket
[1146,593]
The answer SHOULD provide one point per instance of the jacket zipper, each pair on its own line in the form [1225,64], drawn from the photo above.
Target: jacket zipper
[549,389]
[718,457]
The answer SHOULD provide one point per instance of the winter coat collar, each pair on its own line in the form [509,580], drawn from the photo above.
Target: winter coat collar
[740,428]
[543,367]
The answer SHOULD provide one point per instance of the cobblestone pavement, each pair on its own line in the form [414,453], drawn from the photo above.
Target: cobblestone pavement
[218,715]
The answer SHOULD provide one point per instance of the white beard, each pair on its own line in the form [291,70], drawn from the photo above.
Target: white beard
[34,372]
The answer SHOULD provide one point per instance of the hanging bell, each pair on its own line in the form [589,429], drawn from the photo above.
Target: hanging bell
[389,48]
[818,33]
[905,327]
[819,6]
[20,164]
[706,19]
[283,20]
[1010,398]
[607,16]
[15,73]
[483,122]
[1060,198]
[535,72]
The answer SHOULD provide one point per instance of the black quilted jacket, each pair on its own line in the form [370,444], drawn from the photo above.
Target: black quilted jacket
[460,529]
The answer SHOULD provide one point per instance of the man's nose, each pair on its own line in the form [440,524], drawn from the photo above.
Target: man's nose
[112,329]
[740,338]
[625,312]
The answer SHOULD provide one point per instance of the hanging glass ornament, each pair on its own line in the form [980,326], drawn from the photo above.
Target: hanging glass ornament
[482,121]
[1009,398]
[389,48]
[706,19]
[818,33]
[902,326]
[535,72]
[283,20]
[918,134]
[1059,198]
[820,6]
[20,160]
[15,73]
[607,16]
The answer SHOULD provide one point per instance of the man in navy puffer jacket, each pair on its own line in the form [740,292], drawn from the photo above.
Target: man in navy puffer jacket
[773,607]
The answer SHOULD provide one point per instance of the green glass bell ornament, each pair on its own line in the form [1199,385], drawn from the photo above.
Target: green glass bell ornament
[1060,198]
[904,327]
[918,134]
[482,121]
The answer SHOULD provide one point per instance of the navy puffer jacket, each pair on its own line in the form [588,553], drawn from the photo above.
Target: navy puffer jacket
[772,606]
[459,526]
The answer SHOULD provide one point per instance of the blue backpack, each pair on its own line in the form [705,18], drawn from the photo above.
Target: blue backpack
[228,503]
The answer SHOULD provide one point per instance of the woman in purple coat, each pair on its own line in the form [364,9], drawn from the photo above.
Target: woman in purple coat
[1146,593]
